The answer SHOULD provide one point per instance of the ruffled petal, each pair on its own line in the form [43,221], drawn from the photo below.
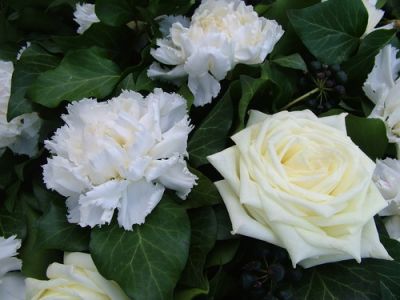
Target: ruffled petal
[204,88]
[97,206]
[12,286]
[138,201]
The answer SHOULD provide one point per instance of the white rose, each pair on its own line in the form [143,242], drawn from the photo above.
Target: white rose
[374,16]
[299,182]
[12,286]
[21,133]
[383,88]
[387,178]
[120,154]
[85,16]
[77,278]
[221,34]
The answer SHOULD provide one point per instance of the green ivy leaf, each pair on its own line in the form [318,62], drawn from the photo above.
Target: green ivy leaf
[35,259]
[211,135]
[147,261]
[386,293]
[81,74]
[55,232]
[204,193]
[203,236]
[224,223]
[115,13]
[12,223]
[293,61]
[331,30]
[368,134]
[347,280]
[33,62]
[250,86]
[223,253]
[358,67]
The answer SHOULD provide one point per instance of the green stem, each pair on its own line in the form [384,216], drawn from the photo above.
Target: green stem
[300,98]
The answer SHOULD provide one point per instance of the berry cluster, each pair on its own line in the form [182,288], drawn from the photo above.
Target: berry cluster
[269,275]
[329,80]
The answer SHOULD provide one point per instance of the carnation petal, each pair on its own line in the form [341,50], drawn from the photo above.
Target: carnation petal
[178,178]
[173,141]
[97,206]
[167,21]
[85,16]
[138,201]
[8,249]
[204,88]
[383,76]
[392,225]
[61,175]
[12,286]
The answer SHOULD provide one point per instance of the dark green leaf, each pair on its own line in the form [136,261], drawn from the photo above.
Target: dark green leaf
[210,137]
[250,87]
[223,253]
[339,281]
[284,85]
[331,30]
[204,193]
[81,74]
[386,294]
[115,13]
[35,259]
[55,232]
[188,294]
[358,67]
[203,236]
[12,223]
[8,51]
[147,261]
[33,62]
[368,134]
[294,61]
[224,223]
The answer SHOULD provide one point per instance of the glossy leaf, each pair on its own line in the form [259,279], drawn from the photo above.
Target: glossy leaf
[81,74]
[331,30]
[147,261]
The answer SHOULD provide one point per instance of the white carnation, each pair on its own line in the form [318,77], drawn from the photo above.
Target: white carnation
[22,50]
[85,16]
[383,88]
[21,133]
[12,286]
[120,154]
[387,177]
[392,225]
[221,34]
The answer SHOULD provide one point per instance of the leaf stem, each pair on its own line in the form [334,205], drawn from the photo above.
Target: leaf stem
[300,98]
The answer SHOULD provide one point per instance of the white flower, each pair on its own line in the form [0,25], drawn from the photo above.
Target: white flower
[77,278]
[85,16]
[387,178]
[12,286]
[392,225]
[120,154]
[374,16]
[383,88]
[22,50]
[21,133]
[221,34]
[299,182]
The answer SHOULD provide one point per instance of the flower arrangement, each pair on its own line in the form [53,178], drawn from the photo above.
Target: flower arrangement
[208,149]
